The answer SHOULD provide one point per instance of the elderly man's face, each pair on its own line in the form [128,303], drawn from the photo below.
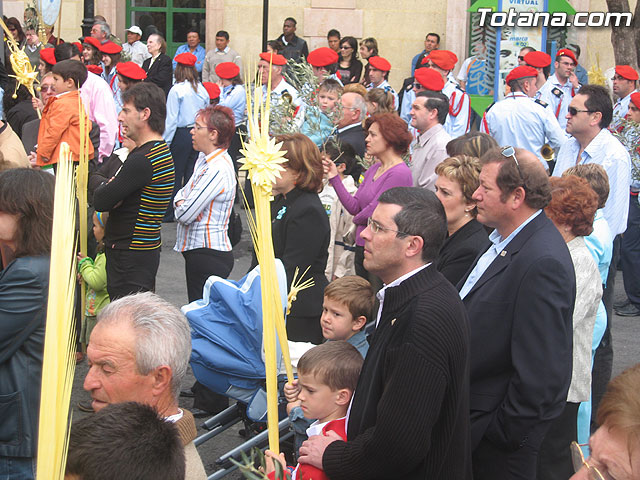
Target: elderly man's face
[96,32]
[349,113]
[193,39]
[113,376]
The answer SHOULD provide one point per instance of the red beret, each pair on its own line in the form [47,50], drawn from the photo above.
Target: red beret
[635,99]
[380,63]
[46,54]
[94,42]
[565,52]
[212,89]
[110,48]
[323,56]
[95,69]
[131,70]
[429,79]
[227,70]
[537,59]
[186,58]
[523,71]
[275,59]
[79,45]
[625,71]
[444,59]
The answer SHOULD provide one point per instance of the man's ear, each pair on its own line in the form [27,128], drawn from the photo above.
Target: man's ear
[517,197]
[341,167]
[161,379]
[358,323]
[343,396]
[145,114]
[416,243]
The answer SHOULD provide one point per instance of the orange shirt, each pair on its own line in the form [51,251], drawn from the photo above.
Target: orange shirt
[61,123]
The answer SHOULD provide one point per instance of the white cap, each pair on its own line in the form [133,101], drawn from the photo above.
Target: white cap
[134,29]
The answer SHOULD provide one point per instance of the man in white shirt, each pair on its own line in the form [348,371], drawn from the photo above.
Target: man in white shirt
[221,54]
[562,86]
[458,120]
[136,50]
[520,121]
[281,90]
[589,115]
[428,114]
[624,84]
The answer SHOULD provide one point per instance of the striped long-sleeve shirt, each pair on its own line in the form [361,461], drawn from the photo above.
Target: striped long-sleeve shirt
[137,198]
[206,202]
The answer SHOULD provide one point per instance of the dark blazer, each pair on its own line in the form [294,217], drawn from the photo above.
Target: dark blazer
[355,136]
[24,287]
[520,314]
[301,233]
[160,73]
[461,249]
[410,414]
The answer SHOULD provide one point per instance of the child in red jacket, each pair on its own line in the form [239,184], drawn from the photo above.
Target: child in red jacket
[327,377]
[61,115]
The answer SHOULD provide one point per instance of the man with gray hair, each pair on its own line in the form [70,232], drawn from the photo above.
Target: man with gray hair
[350,130]
[139,352]
[102,31]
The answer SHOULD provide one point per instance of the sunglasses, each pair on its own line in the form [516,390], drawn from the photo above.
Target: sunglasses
[509,151]
[521,58]
[574,111]
[345,47]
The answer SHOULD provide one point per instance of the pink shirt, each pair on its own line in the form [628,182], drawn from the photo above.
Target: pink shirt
[98,98]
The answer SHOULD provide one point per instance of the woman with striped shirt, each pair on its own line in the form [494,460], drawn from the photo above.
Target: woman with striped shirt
[203,206]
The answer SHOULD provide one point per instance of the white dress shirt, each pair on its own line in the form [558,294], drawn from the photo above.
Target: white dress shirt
[458,118]
[558,97]
[620,110]
[607,151]
[428,151]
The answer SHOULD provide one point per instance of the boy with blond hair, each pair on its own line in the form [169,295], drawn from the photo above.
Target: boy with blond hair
[327,377]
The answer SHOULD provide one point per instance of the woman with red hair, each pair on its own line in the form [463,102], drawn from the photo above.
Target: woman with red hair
[387,140]
[572,210]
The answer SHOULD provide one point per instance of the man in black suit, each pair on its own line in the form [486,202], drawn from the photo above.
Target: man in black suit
[350,130]
[409,416]
[519,296]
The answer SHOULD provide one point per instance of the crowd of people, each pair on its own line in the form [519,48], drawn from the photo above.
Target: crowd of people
[488,248]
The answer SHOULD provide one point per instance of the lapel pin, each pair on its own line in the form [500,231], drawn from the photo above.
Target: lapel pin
[503,253]
[393,321]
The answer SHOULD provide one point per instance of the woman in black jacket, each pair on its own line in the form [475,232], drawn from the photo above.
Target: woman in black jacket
[159,67]
[458,178]
[301,232]
[349,67]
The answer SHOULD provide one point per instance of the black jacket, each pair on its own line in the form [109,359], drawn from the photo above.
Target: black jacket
[160,73]
[355,136]
[301,233]
[520,316]
[410,414]
[461,249]
[24,286]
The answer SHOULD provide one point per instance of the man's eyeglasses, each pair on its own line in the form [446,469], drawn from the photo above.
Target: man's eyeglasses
[574,111]
[578,460]
[376,228]
[521,58]
[509,151]
[567,64]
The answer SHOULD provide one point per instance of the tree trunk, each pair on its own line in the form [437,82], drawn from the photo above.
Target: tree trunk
[624,39]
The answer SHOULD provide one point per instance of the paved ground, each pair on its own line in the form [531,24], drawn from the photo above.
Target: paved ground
[171,285]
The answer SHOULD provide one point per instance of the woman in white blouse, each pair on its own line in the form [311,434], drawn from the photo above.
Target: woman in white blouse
[572,209]
[203,206]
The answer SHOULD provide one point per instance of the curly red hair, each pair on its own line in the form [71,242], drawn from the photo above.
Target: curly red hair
[393,129]
[573,203]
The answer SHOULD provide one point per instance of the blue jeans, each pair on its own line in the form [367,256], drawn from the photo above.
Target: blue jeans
[17,468]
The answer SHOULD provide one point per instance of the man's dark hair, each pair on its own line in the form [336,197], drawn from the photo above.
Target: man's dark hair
[291,19]
[71,69]
[334,33]
[516,86]
[531,176]
[431,34]
[436,101]
[422,214]
[598,100]
[125,440]
[193,30]
[341,152]
[65,51]
[223,33]
[148,95]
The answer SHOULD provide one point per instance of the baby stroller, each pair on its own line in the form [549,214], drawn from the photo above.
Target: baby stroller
[227,355]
